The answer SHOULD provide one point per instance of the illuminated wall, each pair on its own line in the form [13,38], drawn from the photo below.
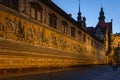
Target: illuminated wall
[116,40]
[25,42]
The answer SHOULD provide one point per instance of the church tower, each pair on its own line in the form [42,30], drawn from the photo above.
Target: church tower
[81,20]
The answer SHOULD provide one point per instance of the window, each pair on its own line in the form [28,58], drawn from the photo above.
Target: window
[36,14]
[36,11]
[25,5]
[95,44]
[14,4]
[98,31]
[84,38]
[79,35]
[73,31]
[33,12]
[88,40]
[53,20]
[118,44]
[64,27]
[92,42]
[39,15]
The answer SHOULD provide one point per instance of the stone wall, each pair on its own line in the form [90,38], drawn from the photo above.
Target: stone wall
[26,43]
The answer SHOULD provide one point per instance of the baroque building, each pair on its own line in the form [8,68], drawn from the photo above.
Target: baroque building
[116,40]
[117,47]
[37,34]
[103,31]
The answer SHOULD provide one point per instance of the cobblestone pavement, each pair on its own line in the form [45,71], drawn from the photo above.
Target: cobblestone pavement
[85,73]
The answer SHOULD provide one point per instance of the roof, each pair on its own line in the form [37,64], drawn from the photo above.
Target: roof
[91,30]
[104,26]
[53,6]
[117,34]
[56,8]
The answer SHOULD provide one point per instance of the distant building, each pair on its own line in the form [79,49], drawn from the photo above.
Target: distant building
[117,47]
[103,31]
[116,40]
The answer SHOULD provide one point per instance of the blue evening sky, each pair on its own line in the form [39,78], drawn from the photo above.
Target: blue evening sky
[91,8]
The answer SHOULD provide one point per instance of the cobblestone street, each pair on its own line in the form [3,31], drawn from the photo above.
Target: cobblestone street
[84,73]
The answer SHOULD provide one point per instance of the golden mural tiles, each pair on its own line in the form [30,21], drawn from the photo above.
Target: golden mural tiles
[23,31]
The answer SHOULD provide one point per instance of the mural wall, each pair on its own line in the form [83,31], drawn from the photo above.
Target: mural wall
[19,37]
[18,29]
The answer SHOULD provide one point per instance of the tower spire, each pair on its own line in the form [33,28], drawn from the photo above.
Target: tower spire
[79,14]
[101,15]
[101,3]
[81,20]
[79,6]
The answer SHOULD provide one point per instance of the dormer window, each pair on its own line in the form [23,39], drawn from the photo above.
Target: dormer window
[98,31]
[53,20]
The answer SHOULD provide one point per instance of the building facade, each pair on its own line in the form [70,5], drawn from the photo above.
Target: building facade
[38,34]
[103,31]
[116,40]
[117,47]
